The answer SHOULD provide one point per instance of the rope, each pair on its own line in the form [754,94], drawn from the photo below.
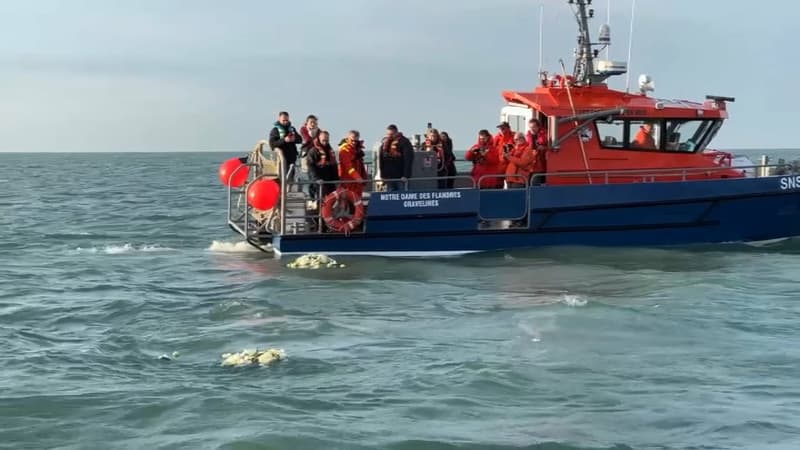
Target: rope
[574,113]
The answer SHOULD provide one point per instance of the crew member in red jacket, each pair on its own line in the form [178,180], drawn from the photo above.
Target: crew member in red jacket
[486,160]
[504,141]
[521,163]
[537,139]
[351,163]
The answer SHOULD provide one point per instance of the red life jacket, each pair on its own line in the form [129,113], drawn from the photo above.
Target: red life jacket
[487,162]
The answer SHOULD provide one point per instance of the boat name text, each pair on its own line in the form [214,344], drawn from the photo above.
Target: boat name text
[790,182]
[419,199]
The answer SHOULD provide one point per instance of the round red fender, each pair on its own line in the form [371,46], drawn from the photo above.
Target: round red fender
[228,167]
[263,194]
[342,224]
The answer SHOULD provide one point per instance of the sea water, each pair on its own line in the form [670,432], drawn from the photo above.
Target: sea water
[112,263]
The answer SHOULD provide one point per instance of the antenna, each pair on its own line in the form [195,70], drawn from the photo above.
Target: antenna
[630,46]
[541,21]
[608,22]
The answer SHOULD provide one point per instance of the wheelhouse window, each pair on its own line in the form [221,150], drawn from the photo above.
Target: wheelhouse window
[666,135]
[686,135]
[611,134]
[518,123]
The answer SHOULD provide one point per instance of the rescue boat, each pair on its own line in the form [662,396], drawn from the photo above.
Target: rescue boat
[602,186]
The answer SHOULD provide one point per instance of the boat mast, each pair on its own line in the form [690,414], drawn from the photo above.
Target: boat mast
[583,54]
[585,72]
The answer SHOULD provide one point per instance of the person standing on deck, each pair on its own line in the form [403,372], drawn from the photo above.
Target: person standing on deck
[321,160]
[504,141]
[449,161]
[351,163]
[485,159]
[309,132]
[537,140]
[521,161]
[285,137]
[444,156]
[396,159]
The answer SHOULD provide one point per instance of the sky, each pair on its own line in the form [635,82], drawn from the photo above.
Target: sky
[205,75]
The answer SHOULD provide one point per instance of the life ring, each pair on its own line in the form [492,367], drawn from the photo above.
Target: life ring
[342,224]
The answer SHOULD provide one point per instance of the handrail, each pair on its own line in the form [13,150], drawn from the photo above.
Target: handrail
[256,164]
[449,177]
[384,180]
[368,192]
[661,172]
[267,224]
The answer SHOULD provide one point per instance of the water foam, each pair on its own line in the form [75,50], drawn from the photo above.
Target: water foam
[122,249]
[573,300]
[766,242]
[231,247]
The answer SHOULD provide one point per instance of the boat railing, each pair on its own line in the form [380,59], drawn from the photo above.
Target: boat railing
[305,216]
[667,174]
[311,220]
[296,212]
[240,215]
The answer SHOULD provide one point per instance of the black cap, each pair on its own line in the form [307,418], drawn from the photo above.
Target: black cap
[504,124]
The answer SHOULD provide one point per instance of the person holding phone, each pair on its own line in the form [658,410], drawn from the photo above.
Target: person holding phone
[285,137]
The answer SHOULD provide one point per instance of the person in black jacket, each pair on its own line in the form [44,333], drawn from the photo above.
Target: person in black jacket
[285,137]
[322,165]
[396,159]
[446,159]
[449,165]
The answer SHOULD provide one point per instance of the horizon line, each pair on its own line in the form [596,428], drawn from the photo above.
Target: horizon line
[19,152]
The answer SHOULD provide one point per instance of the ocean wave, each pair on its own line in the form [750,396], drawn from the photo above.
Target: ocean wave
[440,445]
